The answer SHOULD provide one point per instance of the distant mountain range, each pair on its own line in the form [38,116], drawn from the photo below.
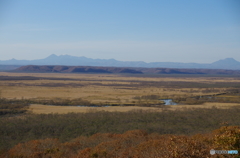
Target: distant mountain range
[67,60]
[132,70]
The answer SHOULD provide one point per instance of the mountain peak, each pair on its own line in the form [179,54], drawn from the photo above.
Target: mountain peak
[227,61]
[52,56]
[230,60]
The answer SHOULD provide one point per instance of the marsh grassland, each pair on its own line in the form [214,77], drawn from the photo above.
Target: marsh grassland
[111,89]
[111,115]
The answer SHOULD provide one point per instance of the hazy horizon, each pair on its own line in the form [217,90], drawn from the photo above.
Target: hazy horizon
[150,31]
[112,58]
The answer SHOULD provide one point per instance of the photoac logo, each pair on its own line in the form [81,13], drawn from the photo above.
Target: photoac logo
[212,152]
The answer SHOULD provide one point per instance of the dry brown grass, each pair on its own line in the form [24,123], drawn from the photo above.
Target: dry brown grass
[205,105]
[99,88]
[47,109]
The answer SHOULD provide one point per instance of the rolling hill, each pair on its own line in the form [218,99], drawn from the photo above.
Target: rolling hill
[131,70]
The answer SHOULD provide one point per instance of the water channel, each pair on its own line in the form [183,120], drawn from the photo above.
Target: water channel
[168,102]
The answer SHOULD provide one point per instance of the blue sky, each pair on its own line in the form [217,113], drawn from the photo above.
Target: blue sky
[199,31]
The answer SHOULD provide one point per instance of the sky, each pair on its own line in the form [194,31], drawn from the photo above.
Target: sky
[189,31]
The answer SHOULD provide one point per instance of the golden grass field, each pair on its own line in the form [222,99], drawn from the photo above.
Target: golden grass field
[103,88]
[46,109]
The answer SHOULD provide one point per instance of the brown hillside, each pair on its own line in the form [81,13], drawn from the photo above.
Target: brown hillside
[135,144]
[75,69]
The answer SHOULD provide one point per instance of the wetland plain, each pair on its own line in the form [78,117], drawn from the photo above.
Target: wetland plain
[75,114]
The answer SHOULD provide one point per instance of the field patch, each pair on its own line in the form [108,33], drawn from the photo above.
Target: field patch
[47,109]
[116,89]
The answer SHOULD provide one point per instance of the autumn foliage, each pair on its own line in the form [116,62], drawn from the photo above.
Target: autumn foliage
[134,144]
